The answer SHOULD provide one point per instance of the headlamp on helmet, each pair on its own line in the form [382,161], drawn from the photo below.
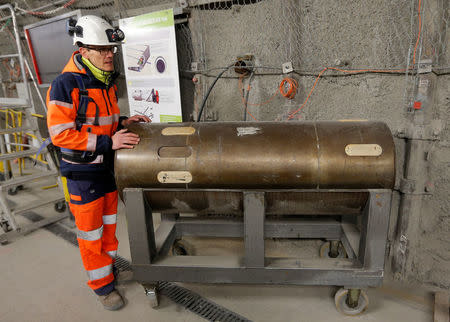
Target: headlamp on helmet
[115,35]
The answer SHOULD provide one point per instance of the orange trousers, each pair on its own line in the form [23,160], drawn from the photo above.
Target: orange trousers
[94,206]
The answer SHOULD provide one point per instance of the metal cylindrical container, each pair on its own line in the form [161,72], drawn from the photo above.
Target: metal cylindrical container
[261,155]
[257,155]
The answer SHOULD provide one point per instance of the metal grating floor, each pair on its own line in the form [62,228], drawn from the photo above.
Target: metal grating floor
[198,304]
[180,295]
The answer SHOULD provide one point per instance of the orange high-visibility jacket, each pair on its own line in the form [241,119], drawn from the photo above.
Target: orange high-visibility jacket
[63,99]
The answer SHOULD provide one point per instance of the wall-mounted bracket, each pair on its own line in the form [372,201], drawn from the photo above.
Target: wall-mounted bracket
[196,66]
[287,68]
[425,66]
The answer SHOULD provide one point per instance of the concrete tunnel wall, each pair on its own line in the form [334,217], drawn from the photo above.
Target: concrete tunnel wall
[313,35]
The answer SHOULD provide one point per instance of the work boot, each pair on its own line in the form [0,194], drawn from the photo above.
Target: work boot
[112,301]
[122,277]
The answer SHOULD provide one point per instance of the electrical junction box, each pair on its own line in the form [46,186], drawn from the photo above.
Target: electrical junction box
[244,64]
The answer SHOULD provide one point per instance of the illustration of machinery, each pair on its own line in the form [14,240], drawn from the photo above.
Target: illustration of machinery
[160,62]
[142,61]
[152,96]
[137,95]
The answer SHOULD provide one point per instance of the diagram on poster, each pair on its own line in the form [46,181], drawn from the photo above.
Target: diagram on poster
[151,67]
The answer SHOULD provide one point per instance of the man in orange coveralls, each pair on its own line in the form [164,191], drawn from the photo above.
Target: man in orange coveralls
[83,121]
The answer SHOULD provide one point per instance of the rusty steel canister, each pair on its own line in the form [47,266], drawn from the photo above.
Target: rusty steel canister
[181,157]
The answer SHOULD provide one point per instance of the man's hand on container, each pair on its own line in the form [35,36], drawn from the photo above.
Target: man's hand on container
[124,140]
[135,119]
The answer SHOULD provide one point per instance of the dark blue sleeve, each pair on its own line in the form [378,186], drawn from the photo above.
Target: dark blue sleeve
[104,144]
[121,118]
[62,87]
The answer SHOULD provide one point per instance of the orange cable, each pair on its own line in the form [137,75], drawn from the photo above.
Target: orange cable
[248,112]
[290,93]
[343,71]
[248,88]
[309,95]
[292,89]
[242,96]
[364,70]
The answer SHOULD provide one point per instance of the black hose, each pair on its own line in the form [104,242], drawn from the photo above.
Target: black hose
[209,91]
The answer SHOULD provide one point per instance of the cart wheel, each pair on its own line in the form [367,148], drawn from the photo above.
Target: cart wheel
[5,226]
[324,251]
[60,206]
[182,248]
[13,191]
[151,291]
[341,301]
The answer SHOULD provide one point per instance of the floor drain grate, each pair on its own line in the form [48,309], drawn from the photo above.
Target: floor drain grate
[180,295]
[197,304]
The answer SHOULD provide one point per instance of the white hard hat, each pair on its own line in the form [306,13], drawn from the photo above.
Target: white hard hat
[93,30]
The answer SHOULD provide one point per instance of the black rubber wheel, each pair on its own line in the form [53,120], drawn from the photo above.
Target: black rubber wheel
[5,226]
[182,248]
[178,249]
[60,206]
[13,191]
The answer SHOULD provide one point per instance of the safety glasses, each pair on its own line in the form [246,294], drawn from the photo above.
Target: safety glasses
[103,50]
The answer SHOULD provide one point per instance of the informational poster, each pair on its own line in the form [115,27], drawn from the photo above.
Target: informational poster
[151,66]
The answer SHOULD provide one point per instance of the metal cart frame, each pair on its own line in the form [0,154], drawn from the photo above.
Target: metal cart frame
[364,266]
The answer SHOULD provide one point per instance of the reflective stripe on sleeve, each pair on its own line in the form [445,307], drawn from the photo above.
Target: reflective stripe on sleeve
[92,142]
[58,128]
[112,253]
[61,103]
[90,235]
[103,120]
[116,117]
[109,219]
[99,273]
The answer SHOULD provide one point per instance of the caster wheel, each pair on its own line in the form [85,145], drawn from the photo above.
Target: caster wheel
[324,251]
[340,299]
[5,226]
[60,206]
[151,291]
[13,191]
[182,248]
